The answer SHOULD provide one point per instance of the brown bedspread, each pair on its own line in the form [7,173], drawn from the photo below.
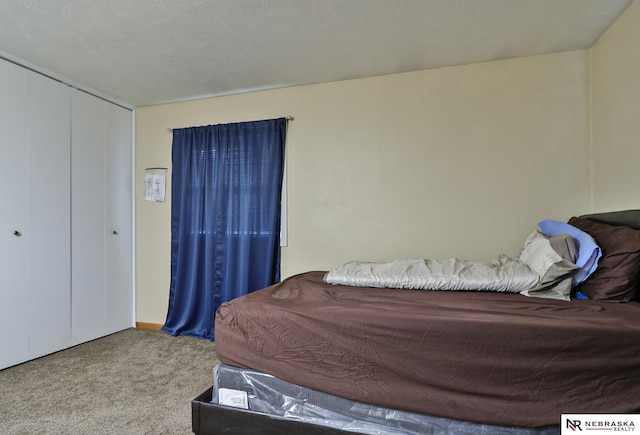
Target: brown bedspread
[494,358]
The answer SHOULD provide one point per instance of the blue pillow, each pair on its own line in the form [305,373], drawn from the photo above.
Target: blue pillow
[589,252]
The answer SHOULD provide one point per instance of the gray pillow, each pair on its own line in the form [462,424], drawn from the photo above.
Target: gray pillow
[553,258]
[541,254]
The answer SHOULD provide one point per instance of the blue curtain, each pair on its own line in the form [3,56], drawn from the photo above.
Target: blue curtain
[225,218]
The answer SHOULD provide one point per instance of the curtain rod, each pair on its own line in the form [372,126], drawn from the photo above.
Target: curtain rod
[288,118]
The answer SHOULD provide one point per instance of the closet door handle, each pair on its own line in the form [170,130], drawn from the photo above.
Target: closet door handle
[115,233]
[17,233]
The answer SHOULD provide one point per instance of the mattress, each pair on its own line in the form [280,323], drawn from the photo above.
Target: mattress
[490,358]
[260,392]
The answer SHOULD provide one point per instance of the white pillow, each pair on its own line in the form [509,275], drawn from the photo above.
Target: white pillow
[539,254]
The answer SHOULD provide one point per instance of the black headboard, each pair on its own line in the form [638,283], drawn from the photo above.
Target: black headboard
[628,218]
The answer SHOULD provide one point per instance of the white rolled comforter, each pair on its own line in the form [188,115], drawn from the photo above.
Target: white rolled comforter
[502,274]
[543,269]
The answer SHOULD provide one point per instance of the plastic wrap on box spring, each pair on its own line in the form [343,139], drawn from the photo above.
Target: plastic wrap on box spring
[262,393]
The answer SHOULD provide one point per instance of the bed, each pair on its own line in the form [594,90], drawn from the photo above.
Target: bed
[351,358]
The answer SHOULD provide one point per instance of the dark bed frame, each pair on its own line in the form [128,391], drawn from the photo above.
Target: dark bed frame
[210,419]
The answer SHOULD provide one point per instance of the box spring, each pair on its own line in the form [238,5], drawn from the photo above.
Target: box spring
[272,402]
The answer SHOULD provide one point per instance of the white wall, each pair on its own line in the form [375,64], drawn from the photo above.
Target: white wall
[616,114]
[460,161]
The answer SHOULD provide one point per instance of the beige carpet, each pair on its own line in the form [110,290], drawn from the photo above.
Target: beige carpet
[134,382]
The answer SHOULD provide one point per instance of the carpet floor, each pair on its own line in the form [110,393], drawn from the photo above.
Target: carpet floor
[137,381]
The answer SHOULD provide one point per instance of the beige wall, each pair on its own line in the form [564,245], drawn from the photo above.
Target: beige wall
[458,161]
[616,114]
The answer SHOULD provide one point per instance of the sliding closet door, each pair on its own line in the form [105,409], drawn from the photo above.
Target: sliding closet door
[35,215]
[49,215]
[102,283]
[88,213]
[14,214]
[119,223]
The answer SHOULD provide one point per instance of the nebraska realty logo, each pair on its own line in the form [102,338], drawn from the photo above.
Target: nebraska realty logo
[572,423]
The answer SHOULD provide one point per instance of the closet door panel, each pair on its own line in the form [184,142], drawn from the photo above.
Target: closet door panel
[65,171]
[49,215]
[14,164]
[88,212]
[118,196]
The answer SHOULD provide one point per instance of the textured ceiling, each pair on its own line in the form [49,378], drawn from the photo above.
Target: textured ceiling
[155,51]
